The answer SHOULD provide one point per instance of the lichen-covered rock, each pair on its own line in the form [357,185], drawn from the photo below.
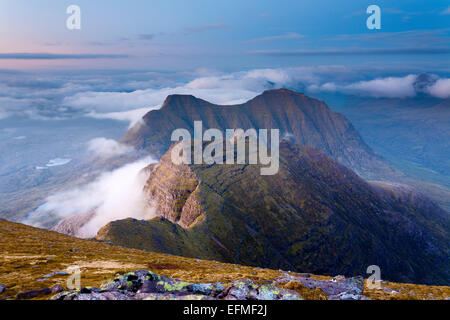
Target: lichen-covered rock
[348,296]
[339,288]
[101,296]
[146,285]
[57,288]
[249,290]
[169,296]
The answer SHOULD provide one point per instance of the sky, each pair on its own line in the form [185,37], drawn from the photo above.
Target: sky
[129,55]
[230,35]
[68,95]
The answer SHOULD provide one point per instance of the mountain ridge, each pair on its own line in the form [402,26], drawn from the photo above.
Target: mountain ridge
[305,120]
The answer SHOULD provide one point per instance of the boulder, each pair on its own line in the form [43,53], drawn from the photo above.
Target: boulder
[33,293]
[57,288]
[249,290]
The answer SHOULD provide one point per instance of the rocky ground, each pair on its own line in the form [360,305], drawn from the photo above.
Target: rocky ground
[34,262]
[146,285]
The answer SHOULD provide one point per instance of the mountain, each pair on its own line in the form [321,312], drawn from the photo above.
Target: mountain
[411,133]
[305,120]
[315,215]
[36,269]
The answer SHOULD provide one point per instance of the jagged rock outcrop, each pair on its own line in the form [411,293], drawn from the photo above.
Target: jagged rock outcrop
[173,191]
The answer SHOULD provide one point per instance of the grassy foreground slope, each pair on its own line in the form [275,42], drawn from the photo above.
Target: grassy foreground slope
[27,254]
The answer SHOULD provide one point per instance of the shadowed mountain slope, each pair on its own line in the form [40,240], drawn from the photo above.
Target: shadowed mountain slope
[315,216]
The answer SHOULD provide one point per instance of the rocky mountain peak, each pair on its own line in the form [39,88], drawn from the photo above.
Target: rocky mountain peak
[182,101]
[307,120]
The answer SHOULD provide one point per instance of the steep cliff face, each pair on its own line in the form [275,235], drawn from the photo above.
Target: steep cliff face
[173,191]
[315,215]
[304,120]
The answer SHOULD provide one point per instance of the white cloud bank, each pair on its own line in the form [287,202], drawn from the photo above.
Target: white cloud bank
[389,87]
[230,88]
[440,89]
[114,195]
[239,87]
[103,147]
[132,116]
[107,97]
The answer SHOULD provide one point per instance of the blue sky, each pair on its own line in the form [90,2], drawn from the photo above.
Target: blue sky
[225,35]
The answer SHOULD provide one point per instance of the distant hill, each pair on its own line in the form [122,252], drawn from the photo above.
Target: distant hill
[315,216]
[411,133]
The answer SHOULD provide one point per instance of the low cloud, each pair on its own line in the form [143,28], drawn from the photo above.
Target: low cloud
[107,148]
[220,88]
[129,96]
[391,87]
[440,89]
[132,116]
[112,196]
[238,87]
[10,106]
[106,102]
